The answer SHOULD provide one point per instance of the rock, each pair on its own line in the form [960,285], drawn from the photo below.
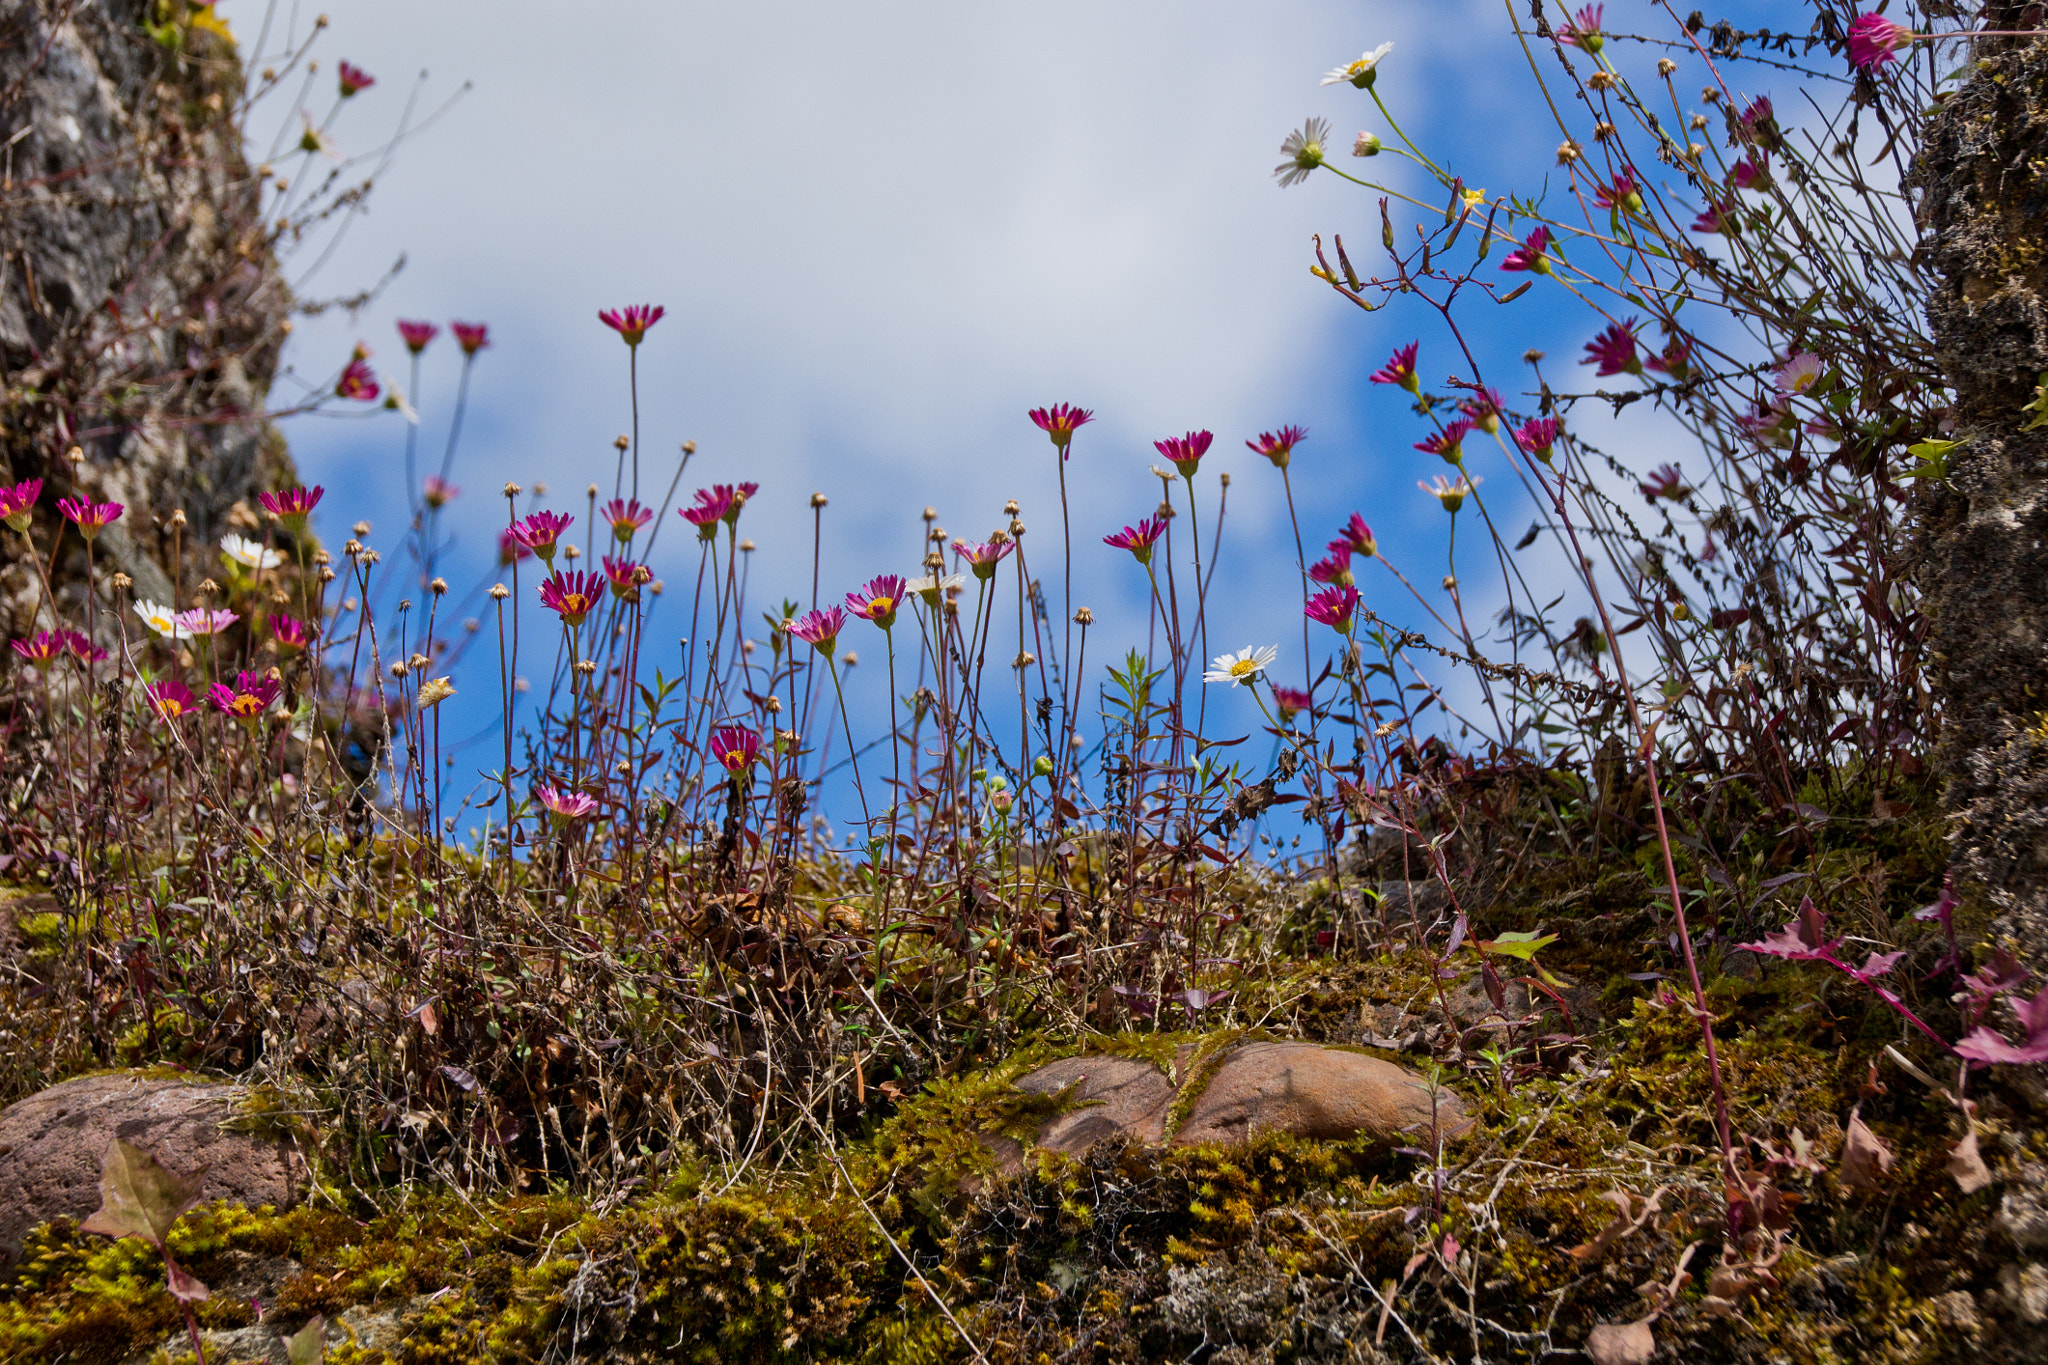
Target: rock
[52,1143]
[2025,1288]
[1315,1092]
[143,309]
[1116,1095]
[1300,1088]
[2023,1212]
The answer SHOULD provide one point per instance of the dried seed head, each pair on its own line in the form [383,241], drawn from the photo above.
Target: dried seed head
[1567,152]
[499,592]
[1010,508]
[75,455]
[851,659]
[1450,583]
[178,517]
[360,530]
[326,575]
[935,561]
[418,661]
[1711,94]
[585,667]
[1083,617]
[438,586]
[398,670]
[1226,478]
[931,514]
[621,442]
[1024,660]
[571,552]
[592,490]
[746,547]
[999,537]
[689,447]
[818,499]
[513,490]
[1016,529]
[1665,66]
[1602,80]
[208,585]
[774,705]
[323,559]
[120,582]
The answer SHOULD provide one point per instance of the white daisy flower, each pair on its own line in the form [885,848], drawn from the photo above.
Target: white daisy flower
[248,553]
[1360,73]
[1243,666]
[1304,152]
[394,401]
[1799,373]
[931,587]
[162,619]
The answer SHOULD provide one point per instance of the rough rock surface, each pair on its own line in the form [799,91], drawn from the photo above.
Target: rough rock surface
[141,309]
[1983,208]
[52,1143]
[1300,1088]
[1315,1092]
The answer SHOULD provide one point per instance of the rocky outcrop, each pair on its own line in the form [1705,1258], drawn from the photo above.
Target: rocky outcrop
[1233,1096]
[1983,212]
[142,308]
[52,1145]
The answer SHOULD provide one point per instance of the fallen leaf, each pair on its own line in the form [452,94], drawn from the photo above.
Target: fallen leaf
[1966,1164]
[308,1346]
[1864,1156]
[139,1197]
[1621,1343]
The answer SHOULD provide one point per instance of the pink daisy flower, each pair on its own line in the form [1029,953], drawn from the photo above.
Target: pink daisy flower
[622,574]
[627,516]
[878,599]
[1186,452]
[1400,369]
[983,556]
[438,492]
[1448,443]
[1291,702]
[1139,539]
[248,699]
[632,323]
[1536,436]
[470,336]
[710,508]
[354,79]
[1531,254]
[1484,408]
[1359,537]
[170,699]
[18,502]
[90,517]
[734,748]
[1333,607]
[358,381]
[1614,350]
[573,595]
[1874,39]
[1060,422]
[540,531]
[206,620]
[511,550]
[1676,360]
[566,804]
[1335,567]
[1278,446]
[1582,30]
[820,629]
[42,649]
[293,505]
[416,335]
[291,634]
[1620,194]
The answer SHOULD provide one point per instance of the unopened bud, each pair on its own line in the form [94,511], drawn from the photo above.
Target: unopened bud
[592,490]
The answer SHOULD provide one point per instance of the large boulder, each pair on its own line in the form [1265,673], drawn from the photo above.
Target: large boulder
[53,1142]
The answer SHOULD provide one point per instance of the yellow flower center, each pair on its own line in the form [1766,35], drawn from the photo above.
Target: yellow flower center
[882,606]
[247,707]
[170,708]
[1244,666]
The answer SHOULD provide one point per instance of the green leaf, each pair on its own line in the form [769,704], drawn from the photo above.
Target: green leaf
[308,1346]
[1933,457]
[139,1197]
[1520,943]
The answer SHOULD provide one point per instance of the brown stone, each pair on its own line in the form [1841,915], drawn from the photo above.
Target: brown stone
[52,1144]
[1315,1092]
[1111,1097]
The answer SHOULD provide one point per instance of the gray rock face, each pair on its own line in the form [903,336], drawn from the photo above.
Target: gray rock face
[52,1145]
[142,309]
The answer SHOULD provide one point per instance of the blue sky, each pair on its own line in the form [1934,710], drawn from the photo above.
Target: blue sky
[882,232]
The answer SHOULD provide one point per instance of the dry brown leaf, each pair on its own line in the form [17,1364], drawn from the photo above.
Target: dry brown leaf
[1864,1156]
[1621,1343]
[1625,1222]
[1966,1164]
